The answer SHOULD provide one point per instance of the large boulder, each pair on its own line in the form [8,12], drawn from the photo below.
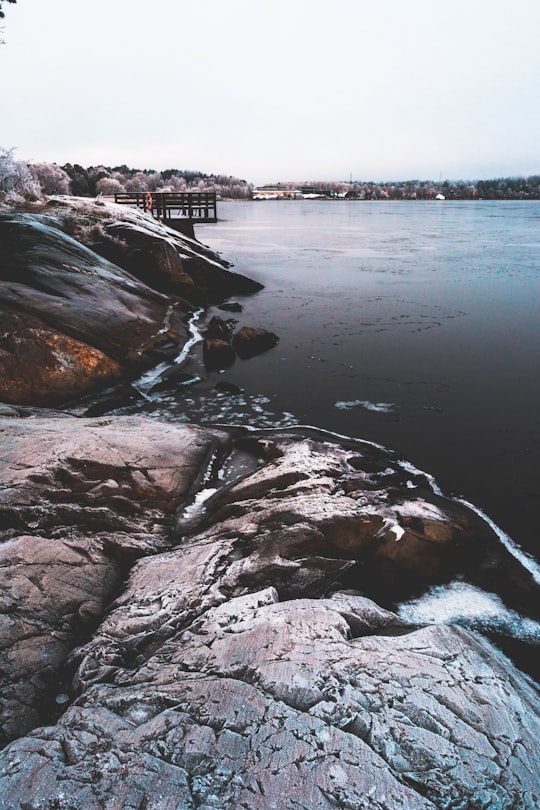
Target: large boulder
[42,365]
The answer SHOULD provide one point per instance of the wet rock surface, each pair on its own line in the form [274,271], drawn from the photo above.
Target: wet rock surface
[43,365]
[250,658]
[222,344]
[250,341]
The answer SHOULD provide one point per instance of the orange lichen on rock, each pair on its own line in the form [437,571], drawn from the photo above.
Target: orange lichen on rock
[44,367]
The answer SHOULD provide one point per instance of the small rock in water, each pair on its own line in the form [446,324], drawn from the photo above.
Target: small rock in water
[250,341]
[220,329]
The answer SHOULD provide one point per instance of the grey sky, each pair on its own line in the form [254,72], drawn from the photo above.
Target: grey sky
[273,90]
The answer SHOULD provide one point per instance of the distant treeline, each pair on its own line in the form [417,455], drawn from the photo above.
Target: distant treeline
[106,180]
[88,182]
[501,188]
[20,180]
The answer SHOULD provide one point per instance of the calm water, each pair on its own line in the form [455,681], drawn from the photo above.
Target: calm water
[414,325]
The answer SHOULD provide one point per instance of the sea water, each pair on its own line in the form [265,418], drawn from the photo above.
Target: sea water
[413,325]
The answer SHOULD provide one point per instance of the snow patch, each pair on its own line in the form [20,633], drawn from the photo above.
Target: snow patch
[398,530]
[195,508]
[421,509]
[413,470]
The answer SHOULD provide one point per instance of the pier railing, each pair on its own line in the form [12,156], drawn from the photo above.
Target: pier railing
[194,206]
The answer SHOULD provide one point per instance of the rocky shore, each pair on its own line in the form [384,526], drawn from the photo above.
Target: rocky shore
[93,293]
[205,618]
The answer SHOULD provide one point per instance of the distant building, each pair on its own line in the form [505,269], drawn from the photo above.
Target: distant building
[284,191]
[279,191]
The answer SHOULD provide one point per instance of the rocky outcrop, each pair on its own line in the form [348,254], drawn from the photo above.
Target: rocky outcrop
[72,321]
[311,703]
[171,263]
[156,254]
[245,663]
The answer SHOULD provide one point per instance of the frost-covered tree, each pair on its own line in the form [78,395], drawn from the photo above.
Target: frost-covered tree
[51,178]
[109,186]
[137,182]
[177,183]
[153,181]
[17,182]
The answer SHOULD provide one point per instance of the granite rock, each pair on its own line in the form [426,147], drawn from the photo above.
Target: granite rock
[79,501]
[244,662]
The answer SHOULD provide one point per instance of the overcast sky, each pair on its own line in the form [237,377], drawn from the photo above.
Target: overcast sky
[271,90]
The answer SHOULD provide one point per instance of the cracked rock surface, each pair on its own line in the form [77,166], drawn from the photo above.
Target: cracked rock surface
[245,661]
[79,500]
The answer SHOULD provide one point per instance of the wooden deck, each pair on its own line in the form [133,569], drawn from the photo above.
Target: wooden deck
[172,206]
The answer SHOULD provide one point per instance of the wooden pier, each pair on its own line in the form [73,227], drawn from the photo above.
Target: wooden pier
[174,208]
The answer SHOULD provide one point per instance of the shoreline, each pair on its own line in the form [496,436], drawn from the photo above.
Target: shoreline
[180,595]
